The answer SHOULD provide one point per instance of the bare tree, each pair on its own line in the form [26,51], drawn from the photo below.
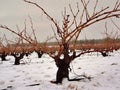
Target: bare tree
[3,49]
[71,29]
[72,25]
[23,44]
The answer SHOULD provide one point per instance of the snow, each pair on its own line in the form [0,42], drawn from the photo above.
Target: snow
[36,73]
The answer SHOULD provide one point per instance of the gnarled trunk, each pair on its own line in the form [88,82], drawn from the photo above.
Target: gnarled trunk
[104,54]
[63,65]
[18,58]
[17,61]
[3,55]
[63,71]
[40,53]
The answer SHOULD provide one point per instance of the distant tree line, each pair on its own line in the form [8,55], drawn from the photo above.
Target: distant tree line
[91,41]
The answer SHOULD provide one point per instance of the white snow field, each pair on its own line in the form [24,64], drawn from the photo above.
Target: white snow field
[37,73]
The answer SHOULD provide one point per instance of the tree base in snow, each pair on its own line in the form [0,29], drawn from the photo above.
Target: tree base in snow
[74,79]
[55,82]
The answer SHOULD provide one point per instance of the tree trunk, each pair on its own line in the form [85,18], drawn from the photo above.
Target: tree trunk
[104,54]
[3,57]
[18,58]
[62,72]
[17,61]
[63,65]
[40,53]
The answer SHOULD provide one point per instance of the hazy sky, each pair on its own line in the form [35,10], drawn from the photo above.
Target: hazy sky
[14,12]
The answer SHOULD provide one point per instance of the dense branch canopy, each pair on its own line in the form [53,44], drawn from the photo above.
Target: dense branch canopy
[72,27]
[72,23]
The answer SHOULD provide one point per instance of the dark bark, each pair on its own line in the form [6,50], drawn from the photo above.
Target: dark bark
[63,64]
[26,54]
[18,58]
[3,55]
[62,72]
[104,54]
[17,61]
[40,53]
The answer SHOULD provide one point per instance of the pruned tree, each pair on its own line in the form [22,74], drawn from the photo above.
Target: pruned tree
[72,25]
[23,44]
[110,41]
[3,49]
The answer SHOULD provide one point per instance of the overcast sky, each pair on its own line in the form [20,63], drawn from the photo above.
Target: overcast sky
[14,12]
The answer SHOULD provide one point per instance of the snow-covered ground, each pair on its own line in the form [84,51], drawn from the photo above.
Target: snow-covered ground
[37,73]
